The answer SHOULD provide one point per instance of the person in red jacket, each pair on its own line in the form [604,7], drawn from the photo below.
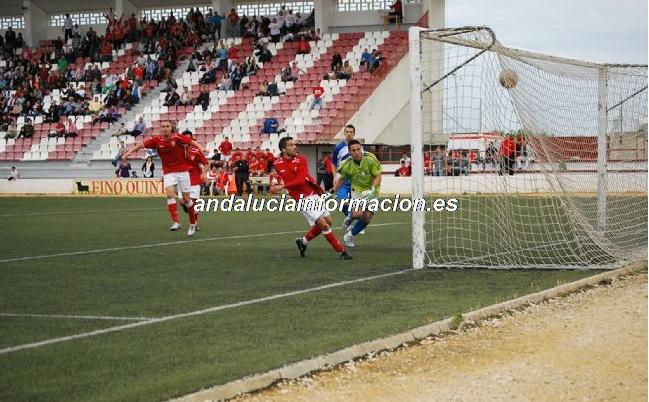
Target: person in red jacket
[318,91]
[303,46]
[294,171]
[507,156]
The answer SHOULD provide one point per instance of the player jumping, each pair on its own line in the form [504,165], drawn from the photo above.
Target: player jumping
[363,171]
[175,166]
[294,171]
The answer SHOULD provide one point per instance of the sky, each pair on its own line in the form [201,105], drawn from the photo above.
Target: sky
[609,31]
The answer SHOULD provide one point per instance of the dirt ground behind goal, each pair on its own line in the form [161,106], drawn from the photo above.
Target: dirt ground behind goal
[590,345]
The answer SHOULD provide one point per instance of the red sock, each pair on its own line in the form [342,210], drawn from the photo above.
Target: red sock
[331,238]
[313,232]
[173,209]
[191,212]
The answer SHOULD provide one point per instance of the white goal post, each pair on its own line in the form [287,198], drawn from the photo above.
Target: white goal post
[547,155]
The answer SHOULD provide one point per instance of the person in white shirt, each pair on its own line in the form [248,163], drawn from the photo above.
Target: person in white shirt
[13,174]
[67,27]
[404,159]
[275,30]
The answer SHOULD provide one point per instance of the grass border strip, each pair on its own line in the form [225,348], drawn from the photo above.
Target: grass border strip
[263,380]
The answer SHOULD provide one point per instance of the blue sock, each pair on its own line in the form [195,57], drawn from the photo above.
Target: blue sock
[358,227]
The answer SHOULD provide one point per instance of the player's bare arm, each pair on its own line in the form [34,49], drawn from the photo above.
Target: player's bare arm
[132,151]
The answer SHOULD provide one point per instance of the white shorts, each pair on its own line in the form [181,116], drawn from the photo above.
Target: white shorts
[315,213]
[194,192]
[178,179]
[226,157]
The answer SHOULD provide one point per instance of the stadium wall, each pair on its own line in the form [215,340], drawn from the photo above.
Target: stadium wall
[355,21]
[531,183]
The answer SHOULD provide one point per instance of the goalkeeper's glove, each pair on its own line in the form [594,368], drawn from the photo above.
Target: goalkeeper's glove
[330,194]
[371,194]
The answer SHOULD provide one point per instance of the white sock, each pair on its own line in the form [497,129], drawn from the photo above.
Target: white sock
[304,240]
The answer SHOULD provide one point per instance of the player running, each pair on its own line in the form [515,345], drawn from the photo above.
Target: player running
[175,166]
[199,167]
[294,171]
[340,153]
[363,170]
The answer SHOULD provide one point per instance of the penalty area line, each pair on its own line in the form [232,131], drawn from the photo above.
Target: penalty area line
[198,312]
[91,211]
[168,243]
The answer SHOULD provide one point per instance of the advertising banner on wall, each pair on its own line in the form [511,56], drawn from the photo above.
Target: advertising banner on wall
[130,187]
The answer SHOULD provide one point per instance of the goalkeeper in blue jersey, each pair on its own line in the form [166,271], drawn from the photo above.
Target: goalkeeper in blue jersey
[339,155]
[363,171]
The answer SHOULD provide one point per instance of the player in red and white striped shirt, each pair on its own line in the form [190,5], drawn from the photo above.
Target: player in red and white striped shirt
[175,166]
[294,171]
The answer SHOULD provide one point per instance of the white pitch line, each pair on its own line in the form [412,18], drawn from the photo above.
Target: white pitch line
[169,243]
[78,317]
[92,211]
[196,312]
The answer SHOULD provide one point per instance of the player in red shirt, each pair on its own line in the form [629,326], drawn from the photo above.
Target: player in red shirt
[508,155]
[269,159]
[222,181]
[199,167]
[236,155]
[175,166]
[225,148]
[294,171]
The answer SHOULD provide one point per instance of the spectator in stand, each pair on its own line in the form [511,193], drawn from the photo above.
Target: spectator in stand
[226,82]
[491,156]
[366,59]
[12,131]
[215,21]
[346,72]
[118,155]
[122,130]
[27,130]
[270,125]
[375,60]
[336,61]
[71,129]
[403,170]
[275,31]
[318,91]
[303,46]
[13,174]
[123,170]
[222,181]
[263,54]
[397,12]
[405,159]
[439,162]
[508,155]
[139,128]
[172,99]
[67,27]
[186,97]
[232,24]
[204,97]
[291,72]
[148,168]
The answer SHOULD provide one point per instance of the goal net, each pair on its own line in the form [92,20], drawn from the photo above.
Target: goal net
[546,155]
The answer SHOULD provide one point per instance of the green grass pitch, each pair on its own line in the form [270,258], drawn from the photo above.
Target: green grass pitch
[121,261]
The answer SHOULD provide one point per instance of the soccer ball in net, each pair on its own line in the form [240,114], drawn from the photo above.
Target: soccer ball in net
[508,79]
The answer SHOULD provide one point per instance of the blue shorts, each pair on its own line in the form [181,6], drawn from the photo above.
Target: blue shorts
[344,191]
